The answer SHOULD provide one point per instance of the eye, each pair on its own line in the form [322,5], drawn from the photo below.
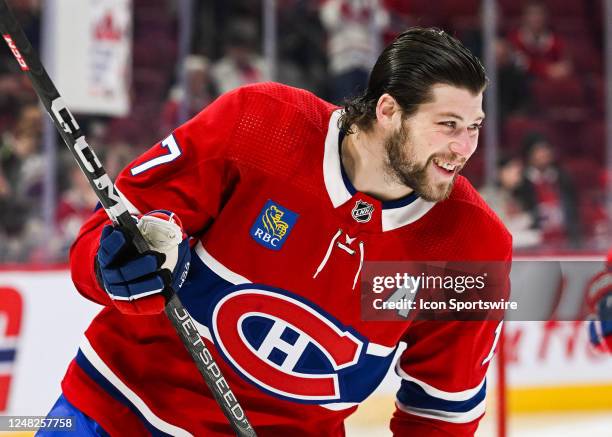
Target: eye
[475,127]
[449,124]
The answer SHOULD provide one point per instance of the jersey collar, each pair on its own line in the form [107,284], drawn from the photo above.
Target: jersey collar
[395,214]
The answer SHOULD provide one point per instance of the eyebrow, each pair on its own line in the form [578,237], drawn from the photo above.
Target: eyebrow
[458,117]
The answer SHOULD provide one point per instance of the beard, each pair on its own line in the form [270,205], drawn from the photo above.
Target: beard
[402,166]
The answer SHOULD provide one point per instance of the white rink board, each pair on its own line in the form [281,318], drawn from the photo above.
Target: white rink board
[54,318]
[551,354]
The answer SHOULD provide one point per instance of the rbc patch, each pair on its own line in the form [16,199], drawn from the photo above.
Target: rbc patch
[273,225]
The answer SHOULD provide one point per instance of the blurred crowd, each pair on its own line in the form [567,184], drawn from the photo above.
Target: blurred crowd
[550,190]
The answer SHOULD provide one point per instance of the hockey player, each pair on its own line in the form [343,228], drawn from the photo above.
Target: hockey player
[599,301]
[285,197]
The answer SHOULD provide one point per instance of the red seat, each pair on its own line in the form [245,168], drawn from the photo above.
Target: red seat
[585,173]
[517,128]
[124,129]
[149,82]
[454,8]
[587,176]
[510,8]
[474,169]
[596,92]
[414,8]
[422,13]
[585,57]
[566,8]
[561,98]
[592,141]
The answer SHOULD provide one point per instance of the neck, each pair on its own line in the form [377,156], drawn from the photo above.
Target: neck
[364,160]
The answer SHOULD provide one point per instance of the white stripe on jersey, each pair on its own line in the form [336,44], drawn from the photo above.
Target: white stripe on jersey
[218,268]
[101,367]
[459,396]
[447,416]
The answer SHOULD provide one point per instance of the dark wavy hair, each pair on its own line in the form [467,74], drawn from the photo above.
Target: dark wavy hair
[408,68]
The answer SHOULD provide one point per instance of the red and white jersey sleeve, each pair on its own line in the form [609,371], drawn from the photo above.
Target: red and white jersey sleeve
[444,365]
[443,372]
[186,173]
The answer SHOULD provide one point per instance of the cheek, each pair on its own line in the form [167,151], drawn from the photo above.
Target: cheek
[473,144]
[435,142]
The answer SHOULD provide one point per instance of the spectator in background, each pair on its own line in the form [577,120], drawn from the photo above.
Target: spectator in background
[118,155]
[354,29]
[78,200]
[15,87]
[12,213]
[542,48]
[240,65]
[200,92]
[512,79]
[547,191]
[302,58]
[512,76]
[75,206]
[22,168]
[501,197]
[21,162]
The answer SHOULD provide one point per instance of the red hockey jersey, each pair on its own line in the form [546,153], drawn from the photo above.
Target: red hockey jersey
[281,238]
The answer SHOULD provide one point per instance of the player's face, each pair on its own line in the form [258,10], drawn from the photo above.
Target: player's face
[427,151]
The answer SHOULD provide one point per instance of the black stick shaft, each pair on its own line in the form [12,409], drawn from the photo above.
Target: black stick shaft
[105,190]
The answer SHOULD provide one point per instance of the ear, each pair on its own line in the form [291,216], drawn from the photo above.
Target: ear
[388,111]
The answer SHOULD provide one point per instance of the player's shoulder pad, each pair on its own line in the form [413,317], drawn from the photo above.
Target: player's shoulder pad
[310,107]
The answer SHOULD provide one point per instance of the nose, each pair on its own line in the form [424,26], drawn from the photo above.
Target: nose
[464,144]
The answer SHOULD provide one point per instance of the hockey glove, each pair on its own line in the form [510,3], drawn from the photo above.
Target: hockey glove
[599,298]
[135,281]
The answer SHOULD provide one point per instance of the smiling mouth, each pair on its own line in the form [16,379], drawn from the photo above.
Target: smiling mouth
[446,166]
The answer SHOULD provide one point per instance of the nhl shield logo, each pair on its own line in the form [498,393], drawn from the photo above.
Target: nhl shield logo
[362,212]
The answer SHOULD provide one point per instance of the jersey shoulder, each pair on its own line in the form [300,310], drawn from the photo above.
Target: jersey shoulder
[281,133]
[476,218]
[283,100]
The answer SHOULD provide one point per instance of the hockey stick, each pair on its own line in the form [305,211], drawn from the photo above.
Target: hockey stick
[117,211]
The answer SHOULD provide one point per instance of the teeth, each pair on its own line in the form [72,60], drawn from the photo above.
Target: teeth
[446,165]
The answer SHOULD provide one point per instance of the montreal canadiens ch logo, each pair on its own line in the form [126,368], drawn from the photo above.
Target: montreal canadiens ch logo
[362,211]
[283,345]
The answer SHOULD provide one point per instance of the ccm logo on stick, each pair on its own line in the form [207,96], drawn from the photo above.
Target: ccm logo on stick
[16,52]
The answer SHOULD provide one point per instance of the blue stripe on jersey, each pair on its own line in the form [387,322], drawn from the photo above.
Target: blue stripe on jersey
[93,373]
[7,355]
[413,395]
